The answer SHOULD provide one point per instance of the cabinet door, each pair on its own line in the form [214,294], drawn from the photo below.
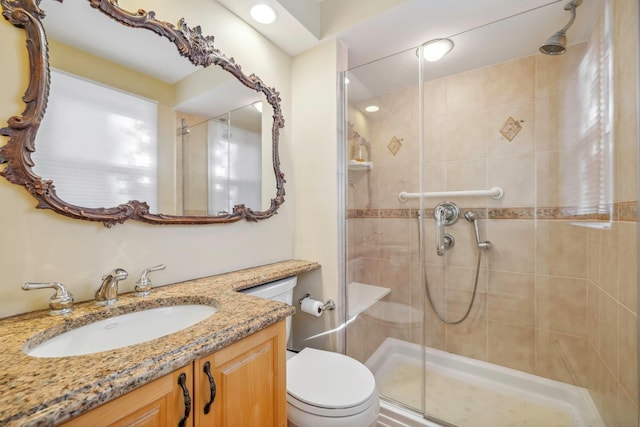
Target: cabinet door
[158,403]
[250,382]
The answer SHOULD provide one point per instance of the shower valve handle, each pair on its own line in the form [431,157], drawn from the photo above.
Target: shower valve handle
[445,213]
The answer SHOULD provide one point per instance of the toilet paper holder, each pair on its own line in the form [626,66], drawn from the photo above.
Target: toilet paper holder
[329,305]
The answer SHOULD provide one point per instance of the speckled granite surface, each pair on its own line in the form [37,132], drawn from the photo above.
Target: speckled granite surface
[49,391]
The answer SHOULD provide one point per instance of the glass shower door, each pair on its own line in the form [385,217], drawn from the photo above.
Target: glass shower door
[383,266]
[550,308]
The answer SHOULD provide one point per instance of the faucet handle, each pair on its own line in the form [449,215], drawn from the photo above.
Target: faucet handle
[60,303]
[143,286]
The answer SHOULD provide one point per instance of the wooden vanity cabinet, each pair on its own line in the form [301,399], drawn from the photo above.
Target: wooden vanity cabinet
[158,403]
[250,390]
[250,382]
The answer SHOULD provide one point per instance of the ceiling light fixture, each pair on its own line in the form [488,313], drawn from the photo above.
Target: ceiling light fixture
[434,50]
[263,14]
[372,109]
[258,106]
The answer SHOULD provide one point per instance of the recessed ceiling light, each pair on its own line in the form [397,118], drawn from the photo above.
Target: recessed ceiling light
[346,80]
[372,109]
[434,50]
[257,105]
[263,14]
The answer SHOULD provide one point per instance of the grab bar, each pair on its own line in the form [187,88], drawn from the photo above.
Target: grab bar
[494,193]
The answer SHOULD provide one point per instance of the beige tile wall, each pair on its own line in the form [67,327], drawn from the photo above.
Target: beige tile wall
[554,299]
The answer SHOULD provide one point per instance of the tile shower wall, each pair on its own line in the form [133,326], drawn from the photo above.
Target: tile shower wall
[557,293]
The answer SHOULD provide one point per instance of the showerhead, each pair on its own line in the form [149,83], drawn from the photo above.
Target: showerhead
[470,216]
[557,43]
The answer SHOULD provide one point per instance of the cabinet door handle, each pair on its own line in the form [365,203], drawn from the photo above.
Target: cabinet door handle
[182,381]
[212,387]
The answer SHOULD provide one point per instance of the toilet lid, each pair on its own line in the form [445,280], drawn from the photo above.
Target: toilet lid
[328,380]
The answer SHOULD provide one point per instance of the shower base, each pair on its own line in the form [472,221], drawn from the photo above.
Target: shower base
[471,393]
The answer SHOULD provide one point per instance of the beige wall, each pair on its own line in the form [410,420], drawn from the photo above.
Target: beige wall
[316,186]
[554,299]
[38,245]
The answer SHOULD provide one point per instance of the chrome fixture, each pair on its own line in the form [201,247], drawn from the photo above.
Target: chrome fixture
[184,128]
[434,50]
[446,210]
[329,305]
[471,217]
[143,285]
[107,293]
[557,43]
[445,213]
[60,303]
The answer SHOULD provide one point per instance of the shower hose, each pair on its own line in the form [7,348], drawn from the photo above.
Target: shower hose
[426,283]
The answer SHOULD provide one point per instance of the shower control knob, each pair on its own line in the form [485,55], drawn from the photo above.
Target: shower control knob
[449,241]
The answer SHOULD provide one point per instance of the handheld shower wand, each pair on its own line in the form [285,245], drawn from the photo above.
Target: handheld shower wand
[471,217]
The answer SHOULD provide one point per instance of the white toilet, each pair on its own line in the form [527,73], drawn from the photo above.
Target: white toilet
[324,389]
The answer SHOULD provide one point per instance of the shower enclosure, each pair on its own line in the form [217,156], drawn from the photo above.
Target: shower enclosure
[221,160]
[524,309]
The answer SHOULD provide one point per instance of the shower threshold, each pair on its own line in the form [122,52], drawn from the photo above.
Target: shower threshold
[472,393]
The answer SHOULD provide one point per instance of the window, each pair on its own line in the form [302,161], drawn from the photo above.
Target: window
[98,144]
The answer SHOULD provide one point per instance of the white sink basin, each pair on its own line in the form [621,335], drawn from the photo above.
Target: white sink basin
[124,330]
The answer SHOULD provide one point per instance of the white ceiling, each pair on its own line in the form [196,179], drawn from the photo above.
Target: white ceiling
[488,37]
[484,32]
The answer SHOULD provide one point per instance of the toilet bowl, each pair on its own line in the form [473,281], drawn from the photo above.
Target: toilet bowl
[324,389]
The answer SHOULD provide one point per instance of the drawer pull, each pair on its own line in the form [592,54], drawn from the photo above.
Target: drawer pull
[182,381]
[212,387]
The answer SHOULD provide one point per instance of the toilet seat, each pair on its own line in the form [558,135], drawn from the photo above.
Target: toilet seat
[329,384]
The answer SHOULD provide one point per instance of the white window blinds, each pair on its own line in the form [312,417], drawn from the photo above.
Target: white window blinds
[98,144]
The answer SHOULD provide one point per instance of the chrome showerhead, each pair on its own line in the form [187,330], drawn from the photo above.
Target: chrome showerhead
[557,43]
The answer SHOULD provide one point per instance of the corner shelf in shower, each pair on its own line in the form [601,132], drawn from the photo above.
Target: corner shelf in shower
[355,165]
[362,296]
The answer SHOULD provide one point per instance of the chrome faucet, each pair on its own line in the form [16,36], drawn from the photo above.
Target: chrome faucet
[107,293]
[143,286]
[60,303]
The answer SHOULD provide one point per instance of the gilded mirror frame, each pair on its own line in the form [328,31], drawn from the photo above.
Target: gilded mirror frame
[22,129]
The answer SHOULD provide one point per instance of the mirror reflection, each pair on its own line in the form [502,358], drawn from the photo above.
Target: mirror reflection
[222,160]
[130,119]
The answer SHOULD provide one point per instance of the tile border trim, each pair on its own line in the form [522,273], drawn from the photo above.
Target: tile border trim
[621,211]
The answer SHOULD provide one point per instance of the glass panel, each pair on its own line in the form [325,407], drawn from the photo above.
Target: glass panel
[551,332]
[222,158]
[383,291]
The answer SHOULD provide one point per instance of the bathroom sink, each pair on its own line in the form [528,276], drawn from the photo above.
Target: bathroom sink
[123,330]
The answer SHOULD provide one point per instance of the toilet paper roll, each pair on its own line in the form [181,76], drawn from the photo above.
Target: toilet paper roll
[312,306]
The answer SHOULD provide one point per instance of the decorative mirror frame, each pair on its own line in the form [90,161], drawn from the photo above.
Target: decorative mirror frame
[22,130]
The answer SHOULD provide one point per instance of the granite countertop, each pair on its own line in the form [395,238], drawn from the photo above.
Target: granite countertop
[49,391]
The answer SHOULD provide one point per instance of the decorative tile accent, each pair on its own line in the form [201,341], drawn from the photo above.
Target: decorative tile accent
[511,213]
[510,128]
[394,145]
[395,213]
[567,213]
[363,213]
[623,211]
[626,211]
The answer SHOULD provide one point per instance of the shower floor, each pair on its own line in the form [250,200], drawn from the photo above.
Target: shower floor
[471,393]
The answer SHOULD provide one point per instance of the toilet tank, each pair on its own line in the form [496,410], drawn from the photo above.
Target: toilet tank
[280,290]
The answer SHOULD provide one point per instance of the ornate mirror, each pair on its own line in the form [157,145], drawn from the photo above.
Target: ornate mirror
[165,130]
